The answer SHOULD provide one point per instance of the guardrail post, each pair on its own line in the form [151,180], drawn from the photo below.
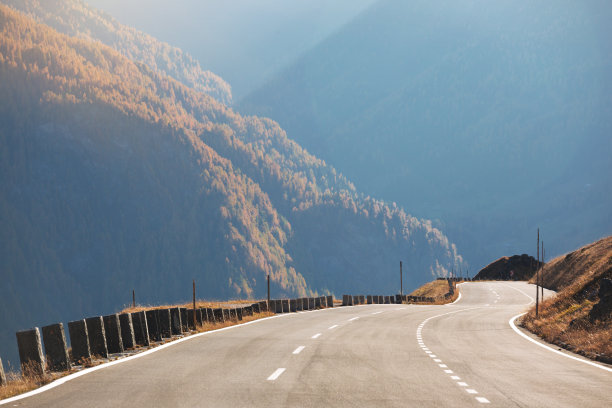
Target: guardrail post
[30,352]
[56,348]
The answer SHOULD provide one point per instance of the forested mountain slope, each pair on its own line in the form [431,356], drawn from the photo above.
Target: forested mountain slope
[115,177]
[76,18]
[492,117]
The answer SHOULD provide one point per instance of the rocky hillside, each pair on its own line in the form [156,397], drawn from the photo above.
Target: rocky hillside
[516,267]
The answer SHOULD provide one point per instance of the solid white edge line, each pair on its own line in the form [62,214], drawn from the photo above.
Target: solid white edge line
[67,378]
[299,350]
[516,329]
[276,374]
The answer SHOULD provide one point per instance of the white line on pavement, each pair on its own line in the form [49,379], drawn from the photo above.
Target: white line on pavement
[298,350]
[471,391]
[354,318]
[511,323]
[276,374]
[332,327]
[448,371]
[462,384]
[316,335]
[483,400]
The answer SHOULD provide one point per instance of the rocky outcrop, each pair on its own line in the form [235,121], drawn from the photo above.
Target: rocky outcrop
[603,309]
[517,267]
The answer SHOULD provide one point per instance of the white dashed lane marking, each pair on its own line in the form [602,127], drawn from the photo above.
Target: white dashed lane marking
[419,337]
[316,335]
[298,350]
[276,374]
[332,327]
[354,318]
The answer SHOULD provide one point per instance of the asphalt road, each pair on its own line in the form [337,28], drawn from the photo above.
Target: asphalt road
[464,354]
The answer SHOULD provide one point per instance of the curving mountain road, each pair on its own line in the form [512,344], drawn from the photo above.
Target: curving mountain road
[463,354]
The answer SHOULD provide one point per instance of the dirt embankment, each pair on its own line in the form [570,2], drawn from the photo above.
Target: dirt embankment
[579,317]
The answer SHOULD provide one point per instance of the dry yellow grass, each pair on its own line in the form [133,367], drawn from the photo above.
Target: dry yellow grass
[564,319]
[18,384]
[436,289]
[199,304]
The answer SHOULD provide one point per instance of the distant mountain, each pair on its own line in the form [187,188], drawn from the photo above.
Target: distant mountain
[76,18]
[244,41]
[491,117]
[114,176]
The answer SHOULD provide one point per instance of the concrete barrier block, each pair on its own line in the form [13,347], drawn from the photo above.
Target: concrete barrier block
[299,305]
[141,328]
[330,301]
[2,375]
[153,325]
[256,308]
[210,315]
[226,315]
[199,318]
[190,317]
[263,306]
[276,306]
[79,341]
[97,336]
[362,300]
[165,322]
[387,300]
[392,299]
[184,319]
[112,331]
[176,327]
[304,303]
[323,301]
[311,303]
[233,315]
[218,314]
[285,305]
[345,301]
[239,314]
[30,352]
[56,348]
[317,302]
[293,305]
[204,314]
[248,310]
[127,331]
[369,299]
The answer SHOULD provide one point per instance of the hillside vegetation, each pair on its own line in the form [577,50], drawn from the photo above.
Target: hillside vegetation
[114,176]
[568,318]
[76,18]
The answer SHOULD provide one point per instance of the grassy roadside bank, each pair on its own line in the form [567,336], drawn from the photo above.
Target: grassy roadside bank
[436,289]
[568,319]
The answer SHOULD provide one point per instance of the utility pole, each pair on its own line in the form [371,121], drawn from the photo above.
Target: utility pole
[542,274]
[133,299]
[537,276]
[268,290]
[401,280]
[194,306]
